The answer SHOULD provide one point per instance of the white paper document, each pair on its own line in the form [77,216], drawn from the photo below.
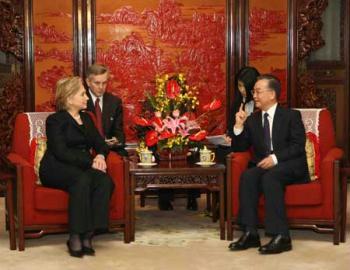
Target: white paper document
[218,140]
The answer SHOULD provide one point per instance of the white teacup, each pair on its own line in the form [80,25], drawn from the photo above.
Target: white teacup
[206,155]
[146,156]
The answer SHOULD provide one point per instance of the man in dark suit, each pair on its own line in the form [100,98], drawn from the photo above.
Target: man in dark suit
[277,136]
[106,107]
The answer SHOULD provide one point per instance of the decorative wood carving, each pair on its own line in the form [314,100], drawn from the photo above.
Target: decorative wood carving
[309,26]
[11,28]
[329,100]
[11,96]
[11,103]
[306,95]
[143,181]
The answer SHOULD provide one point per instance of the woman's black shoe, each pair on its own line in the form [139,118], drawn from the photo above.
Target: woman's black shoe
[75,253]
[89,251]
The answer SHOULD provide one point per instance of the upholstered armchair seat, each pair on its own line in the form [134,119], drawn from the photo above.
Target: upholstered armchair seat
[42,210]
[315,205]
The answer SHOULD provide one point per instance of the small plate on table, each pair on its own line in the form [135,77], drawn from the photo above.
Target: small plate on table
[146,164]
[205,164]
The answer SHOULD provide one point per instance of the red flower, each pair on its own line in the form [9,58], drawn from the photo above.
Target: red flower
[172,89]
[199,136]
[157,121]
[212,106]
[151,138]
[165,135]
[141,121]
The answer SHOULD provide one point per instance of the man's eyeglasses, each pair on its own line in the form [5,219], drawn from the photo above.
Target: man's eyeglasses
[258,92]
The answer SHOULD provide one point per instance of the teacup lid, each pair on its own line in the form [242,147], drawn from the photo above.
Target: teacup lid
[204,150]
[145,150]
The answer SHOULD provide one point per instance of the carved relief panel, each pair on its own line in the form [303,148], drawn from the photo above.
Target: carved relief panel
[139,40]
[53,48]
[268,38]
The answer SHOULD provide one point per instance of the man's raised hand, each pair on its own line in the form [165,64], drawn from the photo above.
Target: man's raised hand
[241,117]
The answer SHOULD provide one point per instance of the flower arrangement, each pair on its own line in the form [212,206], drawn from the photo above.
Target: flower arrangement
[169,122]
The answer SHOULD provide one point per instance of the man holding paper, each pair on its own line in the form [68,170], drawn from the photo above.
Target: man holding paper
[106,107]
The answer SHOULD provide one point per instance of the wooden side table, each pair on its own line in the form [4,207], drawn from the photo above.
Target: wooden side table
[178,175]
[6,184]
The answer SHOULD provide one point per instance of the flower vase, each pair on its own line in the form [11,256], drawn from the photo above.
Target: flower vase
[171,154]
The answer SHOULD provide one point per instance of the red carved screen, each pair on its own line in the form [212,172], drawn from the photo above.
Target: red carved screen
[268,39]
[140,39]
[53,46]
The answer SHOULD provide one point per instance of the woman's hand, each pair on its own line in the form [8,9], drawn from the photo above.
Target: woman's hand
[99,163]
[227,139]
[112,141]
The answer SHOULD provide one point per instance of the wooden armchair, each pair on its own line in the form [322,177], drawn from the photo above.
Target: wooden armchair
[315,205]
[41,210]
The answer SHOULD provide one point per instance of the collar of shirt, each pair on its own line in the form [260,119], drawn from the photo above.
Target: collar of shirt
[271,113]
[93,97]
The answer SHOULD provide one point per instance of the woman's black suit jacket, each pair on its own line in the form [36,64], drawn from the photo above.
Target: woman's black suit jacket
[67,165]
[70,142]
[68,146]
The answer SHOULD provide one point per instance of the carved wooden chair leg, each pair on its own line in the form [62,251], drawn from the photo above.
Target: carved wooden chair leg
[229,230]
[10,213]
[345,173]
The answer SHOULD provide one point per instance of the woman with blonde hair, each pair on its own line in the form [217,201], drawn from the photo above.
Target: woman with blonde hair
[69,165]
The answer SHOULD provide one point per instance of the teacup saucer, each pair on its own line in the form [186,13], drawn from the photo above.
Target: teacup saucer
[205,164]
[147,164]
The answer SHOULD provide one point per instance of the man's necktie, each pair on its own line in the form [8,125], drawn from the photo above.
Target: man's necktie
[267,135]
[98,114]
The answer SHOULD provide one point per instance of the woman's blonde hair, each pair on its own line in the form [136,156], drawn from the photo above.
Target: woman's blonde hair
[65,88]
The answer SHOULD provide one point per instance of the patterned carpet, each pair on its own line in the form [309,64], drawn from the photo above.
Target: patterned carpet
[173,228]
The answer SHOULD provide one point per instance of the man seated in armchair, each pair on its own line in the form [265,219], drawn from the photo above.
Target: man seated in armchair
[277,138]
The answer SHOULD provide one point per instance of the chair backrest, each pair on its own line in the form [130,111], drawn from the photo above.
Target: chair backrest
[28,126]
[327,133]
[319,122]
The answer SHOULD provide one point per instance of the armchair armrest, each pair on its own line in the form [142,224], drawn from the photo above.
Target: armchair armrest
[328,176]
[16,159]
[236,164]
[25,170]
[116,170]
[239,160]
[115,165]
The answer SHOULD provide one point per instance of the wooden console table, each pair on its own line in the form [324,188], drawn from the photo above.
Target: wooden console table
[174,175]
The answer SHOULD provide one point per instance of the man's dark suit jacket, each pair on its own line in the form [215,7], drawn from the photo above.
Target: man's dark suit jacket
[112,119]
[288,140]
[69,143]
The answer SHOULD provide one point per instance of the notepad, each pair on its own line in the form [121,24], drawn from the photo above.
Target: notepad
[218,140]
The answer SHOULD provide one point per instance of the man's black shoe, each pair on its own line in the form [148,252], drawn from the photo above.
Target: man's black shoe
[247,240]
[192,204]
[277,244]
